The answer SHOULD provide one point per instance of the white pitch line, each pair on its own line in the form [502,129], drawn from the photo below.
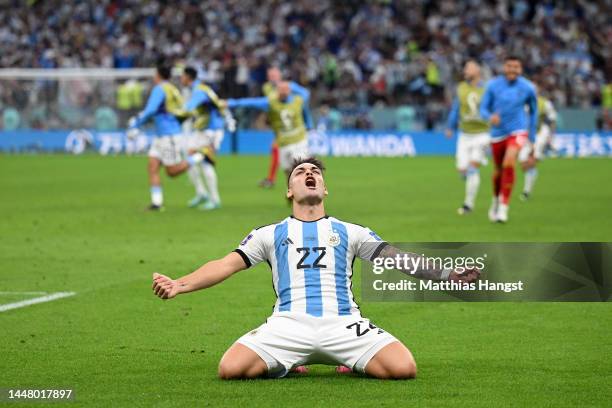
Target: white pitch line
[21,293]
[29,302]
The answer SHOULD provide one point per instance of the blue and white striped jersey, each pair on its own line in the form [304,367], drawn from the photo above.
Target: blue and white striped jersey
[311,262]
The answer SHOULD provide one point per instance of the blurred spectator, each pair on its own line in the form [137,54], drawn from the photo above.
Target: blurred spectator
[129,99]
[351,53]
[606,107]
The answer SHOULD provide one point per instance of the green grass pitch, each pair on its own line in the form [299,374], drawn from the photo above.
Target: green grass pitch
[76,223]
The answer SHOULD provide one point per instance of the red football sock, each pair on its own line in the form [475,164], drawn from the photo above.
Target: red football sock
[507,182]
[273,163]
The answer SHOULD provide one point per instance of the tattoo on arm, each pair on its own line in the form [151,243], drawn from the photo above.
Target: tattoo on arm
[415,265]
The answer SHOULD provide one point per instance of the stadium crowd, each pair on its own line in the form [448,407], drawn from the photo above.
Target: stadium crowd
[350,53]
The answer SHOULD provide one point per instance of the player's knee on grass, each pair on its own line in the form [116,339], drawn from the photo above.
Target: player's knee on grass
[393,362]
[398,370]
[404,369]
[239,362]
[233,370]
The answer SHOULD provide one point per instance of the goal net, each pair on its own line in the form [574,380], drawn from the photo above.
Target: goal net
[63,99]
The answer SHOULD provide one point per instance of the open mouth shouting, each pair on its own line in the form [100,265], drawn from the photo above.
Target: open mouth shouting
[311,182]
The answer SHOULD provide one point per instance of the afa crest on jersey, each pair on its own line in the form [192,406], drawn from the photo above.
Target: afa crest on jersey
[334,239]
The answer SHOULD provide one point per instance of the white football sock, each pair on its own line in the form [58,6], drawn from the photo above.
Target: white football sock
[210,175]
[195,158]
[472,183]
[493,209]
[196,179]
[157,196]
[502,212]
[530,178]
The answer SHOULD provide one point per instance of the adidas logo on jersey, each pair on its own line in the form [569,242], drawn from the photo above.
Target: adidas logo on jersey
[287,241]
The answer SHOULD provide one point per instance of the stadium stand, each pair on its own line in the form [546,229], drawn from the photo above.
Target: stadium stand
[352,54]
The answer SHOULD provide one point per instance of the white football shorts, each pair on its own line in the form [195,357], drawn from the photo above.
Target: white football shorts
[289,339]
[542,138]
[289,153]
[168,149]
[203,138]
[472,148]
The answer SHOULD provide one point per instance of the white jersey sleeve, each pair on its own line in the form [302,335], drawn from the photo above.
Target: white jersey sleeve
[254,247]
[367,244]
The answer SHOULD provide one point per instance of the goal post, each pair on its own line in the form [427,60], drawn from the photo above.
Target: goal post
[71,98]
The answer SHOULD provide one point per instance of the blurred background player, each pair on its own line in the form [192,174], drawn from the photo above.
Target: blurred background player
[531,153]
[163,105]
[207,134]
[503,105]
[286,115]
[473,132]
[274,77]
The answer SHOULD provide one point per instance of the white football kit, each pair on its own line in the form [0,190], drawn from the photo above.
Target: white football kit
[288,154]
[315,318]
[543,138]
[538,148]
[168,149]
[203,138]
[472,148]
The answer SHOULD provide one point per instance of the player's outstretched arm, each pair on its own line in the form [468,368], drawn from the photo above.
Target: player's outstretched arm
[429,272]
[205,276]
[261,103]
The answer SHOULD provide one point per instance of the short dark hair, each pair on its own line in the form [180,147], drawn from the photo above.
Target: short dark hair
[164,71]
[298,162]
[191,72]
[513,57]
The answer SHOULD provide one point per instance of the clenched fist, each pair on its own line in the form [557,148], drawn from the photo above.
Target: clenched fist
[468,276]
[495,119]
[164,287]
